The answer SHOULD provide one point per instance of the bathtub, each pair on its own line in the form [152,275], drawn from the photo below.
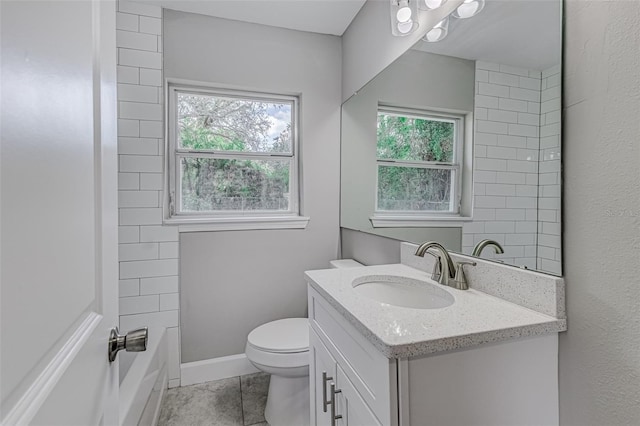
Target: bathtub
[143,381]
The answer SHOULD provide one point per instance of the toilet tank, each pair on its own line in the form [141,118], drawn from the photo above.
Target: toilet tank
[345,263]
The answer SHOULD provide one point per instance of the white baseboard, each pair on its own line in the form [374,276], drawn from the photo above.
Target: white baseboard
[207,370]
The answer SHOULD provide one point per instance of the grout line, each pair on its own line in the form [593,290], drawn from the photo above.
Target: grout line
[241,400]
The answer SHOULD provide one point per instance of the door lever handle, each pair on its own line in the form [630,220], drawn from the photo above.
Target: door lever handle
[133,341]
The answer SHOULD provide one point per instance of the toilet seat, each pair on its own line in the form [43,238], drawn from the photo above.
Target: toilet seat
[277,360]
[287,335]
[280,344]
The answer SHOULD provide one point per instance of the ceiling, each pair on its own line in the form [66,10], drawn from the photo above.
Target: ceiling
[520,33]
[317,16]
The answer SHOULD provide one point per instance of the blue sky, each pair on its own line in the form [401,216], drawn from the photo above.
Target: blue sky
[280,118]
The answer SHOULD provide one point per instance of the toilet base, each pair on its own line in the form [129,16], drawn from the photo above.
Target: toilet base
[288,401]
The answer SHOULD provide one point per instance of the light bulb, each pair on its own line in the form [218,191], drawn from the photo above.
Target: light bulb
[403,17]
[468,9]
[404,12]
[434,35]
[438,32]
[405,27]
[434,4]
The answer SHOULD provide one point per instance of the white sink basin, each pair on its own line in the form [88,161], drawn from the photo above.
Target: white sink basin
[402,291]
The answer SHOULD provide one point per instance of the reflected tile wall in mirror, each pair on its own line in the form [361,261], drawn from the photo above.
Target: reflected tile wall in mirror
[517,165]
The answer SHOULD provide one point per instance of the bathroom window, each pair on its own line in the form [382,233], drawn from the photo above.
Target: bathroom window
[233,158]
[418,163]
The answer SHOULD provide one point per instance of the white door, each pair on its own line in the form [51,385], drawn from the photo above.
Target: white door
[58,212]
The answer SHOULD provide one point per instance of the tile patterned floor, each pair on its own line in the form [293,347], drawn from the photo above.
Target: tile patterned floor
[238,401]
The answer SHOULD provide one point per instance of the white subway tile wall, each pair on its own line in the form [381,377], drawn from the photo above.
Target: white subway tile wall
[549,251]
[506,155]
[148,251]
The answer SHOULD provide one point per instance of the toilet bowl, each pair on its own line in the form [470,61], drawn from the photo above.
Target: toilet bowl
[281,348]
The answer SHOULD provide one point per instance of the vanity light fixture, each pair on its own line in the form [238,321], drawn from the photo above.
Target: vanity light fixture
[468,9]
[404,16]
[438,32]
[431,4]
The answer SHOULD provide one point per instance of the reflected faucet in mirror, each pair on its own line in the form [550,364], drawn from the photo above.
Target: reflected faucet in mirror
[477,251]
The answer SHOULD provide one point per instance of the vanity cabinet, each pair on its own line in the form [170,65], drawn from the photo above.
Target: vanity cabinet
[507,383]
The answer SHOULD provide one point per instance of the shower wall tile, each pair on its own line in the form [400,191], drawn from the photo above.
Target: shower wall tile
[148,250]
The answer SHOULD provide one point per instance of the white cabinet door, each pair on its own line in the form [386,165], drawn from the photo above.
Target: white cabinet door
[322,373]
[58,212]
[351,406]
[372,374]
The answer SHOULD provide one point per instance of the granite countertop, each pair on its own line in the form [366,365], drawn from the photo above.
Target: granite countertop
[474,318]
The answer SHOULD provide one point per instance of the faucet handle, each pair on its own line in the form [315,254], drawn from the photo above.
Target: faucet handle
[460,280]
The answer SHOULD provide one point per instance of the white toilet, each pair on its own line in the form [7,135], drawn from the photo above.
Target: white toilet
[281,348]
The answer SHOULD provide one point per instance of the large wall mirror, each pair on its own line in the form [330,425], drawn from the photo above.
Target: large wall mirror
[459,140]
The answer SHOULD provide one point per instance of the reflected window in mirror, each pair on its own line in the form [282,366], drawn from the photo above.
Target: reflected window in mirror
[418,163]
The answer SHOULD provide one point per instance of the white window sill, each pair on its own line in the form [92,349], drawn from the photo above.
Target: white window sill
[238,223]
[415,221]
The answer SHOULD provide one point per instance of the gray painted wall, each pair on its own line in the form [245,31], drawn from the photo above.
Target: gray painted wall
[232,282]
[600,353]
[369,249]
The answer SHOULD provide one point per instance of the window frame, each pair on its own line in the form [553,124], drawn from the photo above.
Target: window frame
[407,218]
[229,219]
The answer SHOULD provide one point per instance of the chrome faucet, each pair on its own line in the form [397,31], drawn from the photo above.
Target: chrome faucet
[445,271]
[444,266]
[477,251]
